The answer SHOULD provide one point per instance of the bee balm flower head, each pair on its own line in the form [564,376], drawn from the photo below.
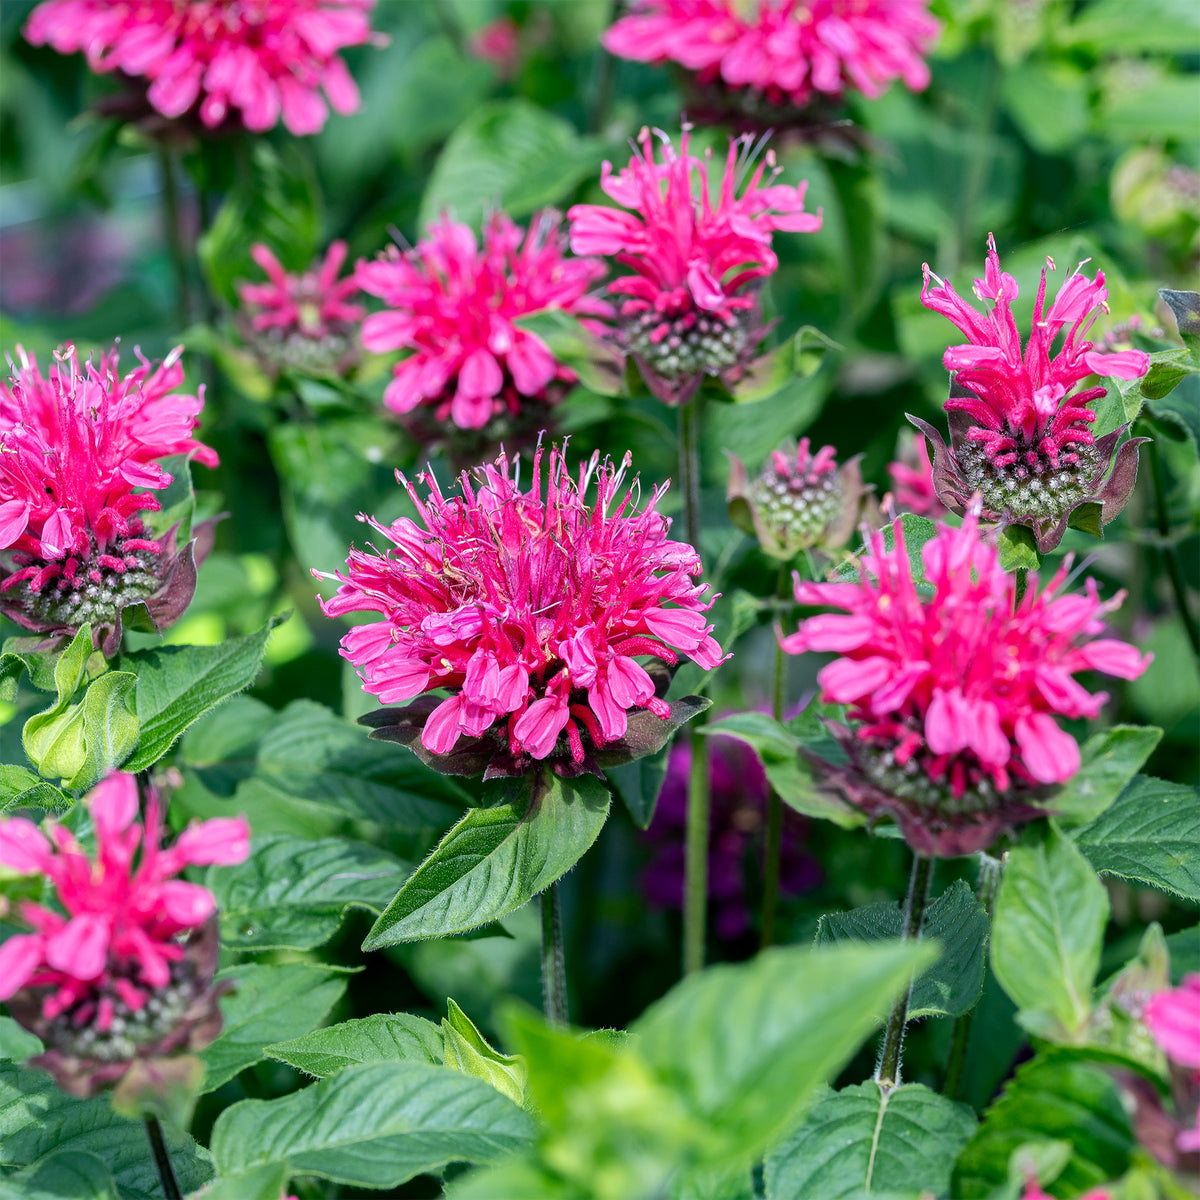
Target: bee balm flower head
[690,305]
[954,697]
[125,972]
[530,607]
[79,466]
[247,60]
[1017,434]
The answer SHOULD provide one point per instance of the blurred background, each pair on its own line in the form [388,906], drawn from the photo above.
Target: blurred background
[1066,129]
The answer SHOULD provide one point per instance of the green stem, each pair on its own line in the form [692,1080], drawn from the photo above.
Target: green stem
[774,803]
[554,967]
[887,1075]
[175,239]
[695,886]
[162,1160]
[1169,552]
[989,880]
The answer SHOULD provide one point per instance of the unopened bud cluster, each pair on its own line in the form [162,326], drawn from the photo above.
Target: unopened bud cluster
[692,344]
[1035,485]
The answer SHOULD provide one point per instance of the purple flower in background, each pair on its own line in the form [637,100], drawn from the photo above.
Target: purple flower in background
[737,830]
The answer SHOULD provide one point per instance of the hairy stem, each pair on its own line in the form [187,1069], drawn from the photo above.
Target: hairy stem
[695,886]
[1169,553]
[554,967]
[162,1160]
[887,1075]
[771,853]
[989,880]
[176,243]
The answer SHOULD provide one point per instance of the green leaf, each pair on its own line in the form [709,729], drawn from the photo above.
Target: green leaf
[788,772]
[381,1037]
[38,1121]
[1047,935]
[274,202]
[22,788]
[599,367]
[292,893]
[1051,1098]
[950,986]
[267,1182]
[496,859]
[70,1175]
[176,685]
[638,784]
[1111,759]
[17,1043]
[509,155]
[917,531]
[373,1126]
[466,1050]
[1149,835]
[1018,551]
[27,654]
[313,755]
[269,1004]
[865,1140]
[1184,949]
[745,1046]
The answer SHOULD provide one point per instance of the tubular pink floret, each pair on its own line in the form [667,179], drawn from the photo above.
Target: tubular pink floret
[262,59]
[454,305]
[529,606]
[787,50]
[969,676]
[311,303]
[125,914]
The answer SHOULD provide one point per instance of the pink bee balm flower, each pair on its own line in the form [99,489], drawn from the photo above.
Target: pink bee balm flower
[1173,1018]
[79,463]
[954,697]
[1016,434]
[126,970]
[783,52]
[691,305]
[302,320]
[912,481]
[455,305]
[531,608]
[798,501]
[263,58]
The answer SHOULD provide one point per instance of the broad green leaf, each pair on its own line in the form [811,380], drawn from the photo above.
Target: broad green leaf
[1047,935]
[269,1004]
[38,1121]
[638,784]
[509,155]
[496,859]
[17,1043]
[789,773]
[176,685]
[1018,551]
[292,893]
[1111,758]
[21,655]
[865,1140]
[1051,1098]
[267,1182]
[313,755]
[956,919]
[373,1126]
[221,747]
[274,202]
[71,1175]
[22,788]
[1184,949]
[745,1046]
[381,1037]
[466,1050]
[917,531]
[1149,835]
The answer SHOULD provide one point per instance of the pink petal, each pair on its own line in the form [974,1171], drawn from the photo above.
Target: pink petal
[538,727]
[14,516]
[187,905]
[23,847]
[442,726]
[113,803]
[219,840]
[1049,754]
[80,948]
[20,957]
[850,679]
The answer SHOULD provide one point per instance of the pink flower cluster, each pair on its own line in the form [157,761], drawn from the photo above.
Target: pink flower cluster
[454,305]
[957,694]
[125,911]
[787,50]
[1173,1018]
[73,449]
[264,58]
[312,304]
[912,482]
[694,257]
[1018,404]
[530,606]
